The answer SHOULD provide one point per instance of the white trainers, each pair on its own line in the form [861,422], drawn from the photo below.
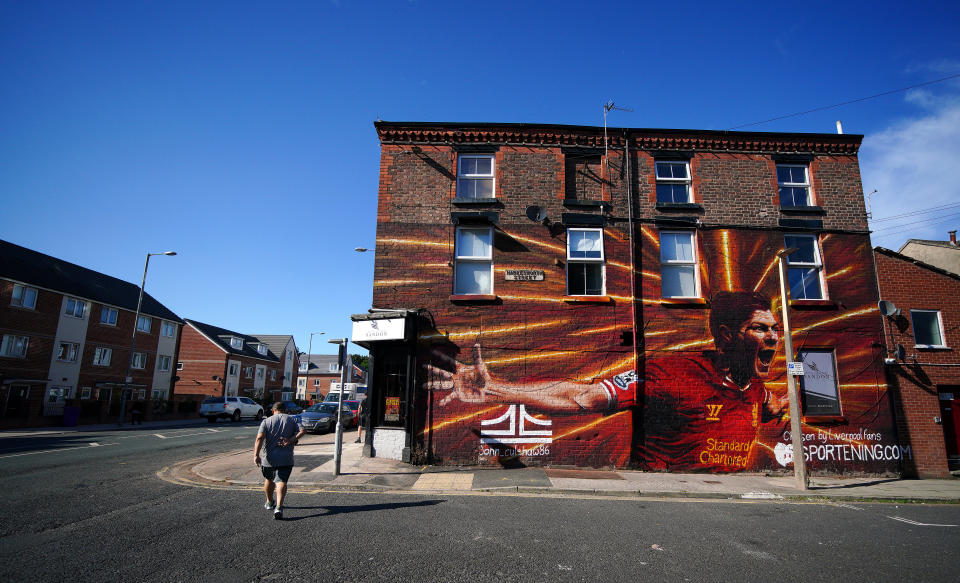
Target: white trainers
[268,505]
[278,513]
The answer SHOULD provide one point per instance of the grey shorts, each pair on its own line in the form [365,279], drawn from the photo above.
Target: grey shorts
[279,474]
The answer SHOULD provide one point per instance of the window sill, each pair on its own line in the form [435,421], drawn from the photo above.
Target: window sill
[588,299]
[574,202]
[471,201]
[834,419]
[803,210]
[678,206]
[23,308]
[474,298]
[684,303]
[928,348]
[814,304]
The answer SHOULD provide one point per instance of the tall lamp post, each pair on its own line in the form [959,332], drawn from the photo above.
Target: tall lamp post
[309,348]
[796,432]
[343,385]
[133,337]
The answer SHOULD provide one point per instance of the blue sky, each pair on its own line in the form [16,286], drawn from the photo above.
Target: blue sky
[240,134]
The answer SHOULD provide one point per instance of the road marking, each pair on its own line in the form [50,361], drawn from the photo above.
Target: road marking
[88,446]
[761,496]
[847,506]
[207,432]
[915,523]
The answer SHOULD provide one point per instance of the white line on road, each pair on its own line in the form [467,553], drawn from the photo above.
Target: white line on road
[88,446]
[915,523]
[847,506]
[207,432]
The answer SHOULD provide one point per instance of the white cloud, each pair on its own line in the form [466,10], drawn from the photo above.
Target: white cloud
[915,165]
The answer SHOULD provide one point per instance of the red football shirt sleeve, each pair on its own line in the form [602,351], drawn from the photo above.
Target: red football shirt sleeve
[621,390]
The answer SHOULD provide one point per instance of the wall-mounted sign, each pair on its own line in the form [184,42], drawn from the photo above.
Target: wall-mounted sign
[386,329]
[795,369]
[524,275]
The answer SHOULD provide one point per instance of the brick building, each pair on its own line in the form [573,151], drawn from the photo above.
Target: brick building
[318,371]
[66,340]
[562,295]
[925,376]
[216,362]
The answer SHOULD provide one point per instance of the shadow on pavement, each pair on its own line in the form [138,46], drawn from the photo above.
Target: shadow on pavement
[331,510]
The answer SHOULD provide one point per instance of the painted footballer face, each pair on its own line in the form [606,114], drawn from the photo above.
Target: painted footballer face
[753,347]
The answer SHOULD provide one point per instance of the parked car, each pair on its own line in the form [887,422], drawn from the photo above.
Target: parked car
[323,417]
[290,408]
[354,406]
[233,408]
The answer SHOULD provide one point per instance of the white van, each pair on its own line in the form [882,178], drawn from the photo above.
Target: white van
[349,394]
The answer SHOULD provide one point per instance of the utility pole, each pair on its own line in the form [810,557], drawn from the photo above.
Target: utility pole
[796,431]
[338,447]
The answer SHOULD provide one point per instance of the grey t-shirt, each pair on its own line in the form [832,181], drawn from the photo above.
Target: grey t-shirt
[273,428]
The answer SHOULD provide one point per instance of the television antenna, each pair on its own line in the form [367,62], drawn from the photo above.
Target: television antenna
[607,108]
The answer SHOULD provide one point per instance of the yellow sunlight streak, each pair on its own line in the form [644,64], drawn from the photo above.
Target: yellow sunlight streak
[596,330]
[766,272]
[398,282]
[593,423]
[853,314]
[618,366]
[841,272]
[414,242]
[649,235]
[727,266]
[689,344]
[550,246]
[459,419]
[529,357]
[506,330]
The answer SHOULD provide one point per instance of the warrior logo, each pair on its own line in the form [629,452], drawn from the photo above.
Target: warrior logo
[513,434]
[713,412]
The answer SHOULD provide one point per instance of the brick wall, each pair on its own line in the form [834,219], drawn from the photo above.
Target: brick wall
[911,286]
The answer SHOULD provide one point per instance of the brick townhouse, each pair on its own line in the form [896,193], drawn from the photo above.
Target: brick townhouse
[66,340]
[925,375]
[566,295]
[318,371]
[215,362]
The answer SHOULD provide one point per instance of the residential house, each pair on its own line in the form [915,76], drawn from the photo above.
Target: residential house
[923,361]
[609,297]
[318,372]
[215,361]
[67,335]
[942,254]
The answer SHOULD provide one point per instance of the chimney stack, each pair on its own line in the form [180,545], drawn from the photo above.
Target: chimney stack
[953,238]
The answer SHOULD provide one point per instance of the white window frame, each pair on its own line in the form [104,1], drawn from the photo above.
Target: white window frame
[139,361]
[248,372]
[85,393]
[273,374]
[472,259]
[817,264]
[260,372]
[179,366]
[262,349]
[301,383]
[67,351]
[14,346]
[144,324]
[234,369]
[163,363]
[804,185]
[304,366]
[236,343]
[916,342]
[168,329]
[102,356]
[687,182]
[316,382]
[465,178]
[72,306]
[17,299]
[668,264]
[108,316]
[602,261]
[333,367]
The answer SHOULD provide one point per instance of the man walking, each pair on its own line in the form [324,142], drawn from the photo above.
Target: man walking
[278,434]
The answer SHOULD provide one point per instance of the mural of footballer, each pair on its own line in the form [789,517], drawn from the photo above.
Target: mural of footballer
[701,411]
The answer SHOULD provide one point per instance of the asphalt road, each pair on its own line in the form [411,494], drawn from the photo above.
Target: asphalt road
[89,507]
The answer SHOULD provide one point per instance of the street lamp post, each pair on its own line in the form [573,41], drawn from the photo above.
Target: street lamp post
[338,447]
[133,337]
[309,348]
[796,431]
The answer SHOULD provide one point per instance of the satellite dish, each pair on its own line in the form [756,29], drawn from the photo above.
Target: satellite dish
[888,309]
[900,352]
[536,213]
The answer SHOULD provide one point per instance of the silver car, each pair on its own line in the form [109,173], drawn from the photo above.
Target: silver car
[233,408]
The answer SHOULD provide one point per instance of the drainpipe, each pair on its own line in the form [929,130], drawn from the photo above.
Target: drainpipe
[633,266]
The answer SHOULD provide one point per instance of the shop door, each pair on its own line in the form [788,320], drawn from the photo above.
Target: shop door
[390,378]
[950,414]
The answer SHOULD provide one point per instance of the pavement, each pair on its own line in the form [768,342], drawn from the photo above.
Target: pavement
[315,471]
